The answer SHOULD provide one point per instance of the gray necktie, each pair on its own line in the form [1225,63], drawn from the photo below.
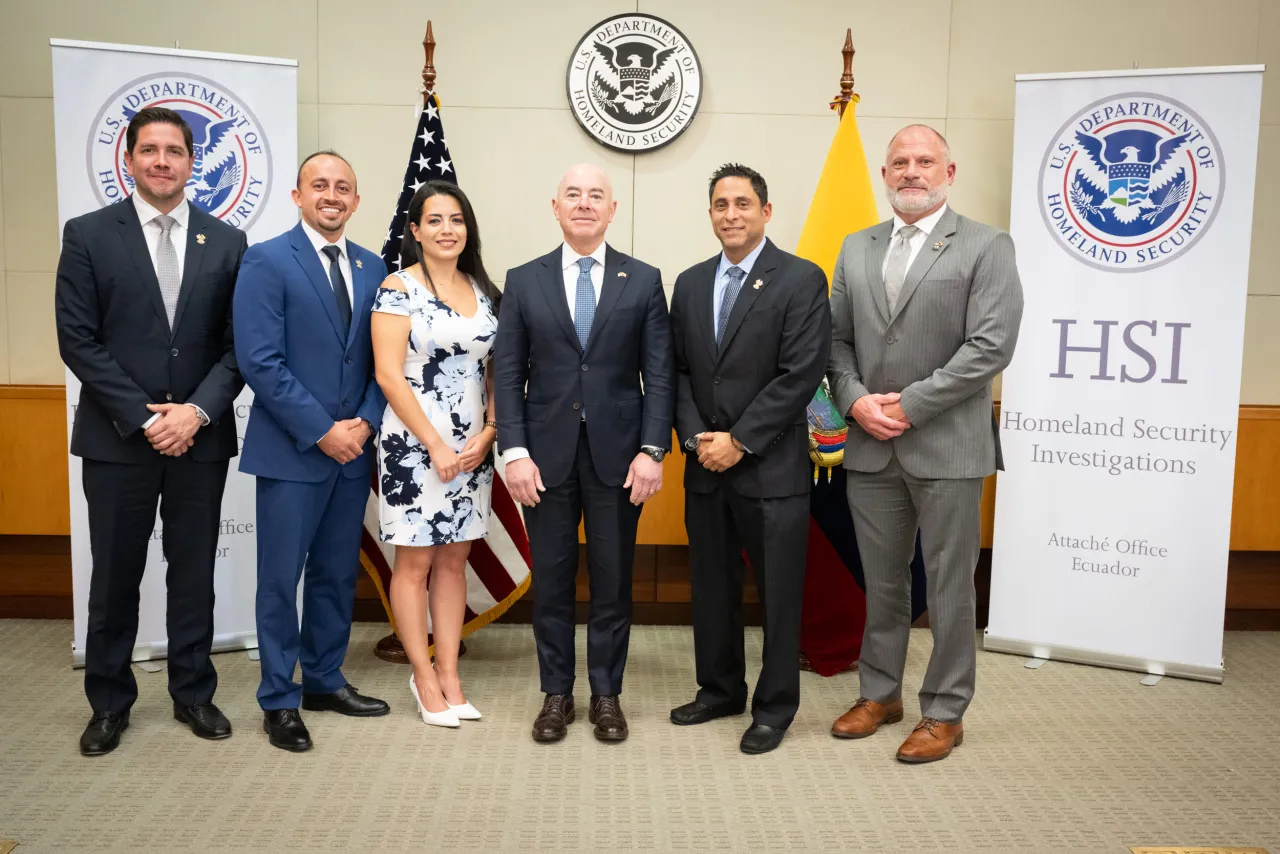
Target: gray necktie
[167,268]
[736,275]
[896,271]
[584,302]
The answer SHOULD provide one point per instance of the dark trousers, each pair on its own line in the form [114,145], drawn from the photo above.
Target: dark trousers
[122,514]
[316,527]
[774,532]
[610,521]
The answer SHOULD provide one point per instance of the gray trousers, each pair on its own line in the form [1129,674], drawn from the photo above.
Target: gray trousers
[887,507]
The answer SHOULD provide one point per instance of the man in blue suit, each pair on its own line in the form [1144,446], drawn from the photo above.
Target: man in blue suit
[302,339]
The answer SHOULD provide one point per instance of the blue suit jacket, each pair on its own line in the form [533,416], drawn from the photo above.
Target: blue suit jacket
[304,375]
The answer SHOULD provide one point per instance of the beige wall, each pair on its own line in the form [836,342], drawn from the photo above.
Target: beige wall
[770,68]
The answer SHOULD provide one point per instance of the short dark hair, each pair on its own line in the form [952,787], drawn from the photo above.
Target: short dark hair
[737,170]
[153,115]
[324,152]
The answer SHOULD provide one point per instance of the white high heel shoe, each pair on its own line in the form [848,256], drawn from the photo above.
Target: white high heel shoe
[446,719]
[465,712]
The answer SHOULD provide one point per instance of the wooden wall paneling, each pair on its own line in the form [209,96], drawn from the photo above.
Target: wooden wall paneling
[34,497]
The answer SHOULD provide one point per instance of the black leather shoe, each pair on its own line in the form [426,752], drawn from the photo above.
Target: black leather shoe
[285,730]
[700,713]
[204,719]
[102,735]
[552,723]
[606,714]
[345,701]
[760,738]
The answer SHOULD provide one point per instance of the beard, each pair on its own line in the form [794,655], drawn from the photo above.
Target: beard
[913,204]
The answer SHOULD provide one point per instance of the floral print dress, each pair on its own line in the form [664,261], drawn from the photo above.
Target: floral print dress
[445,366]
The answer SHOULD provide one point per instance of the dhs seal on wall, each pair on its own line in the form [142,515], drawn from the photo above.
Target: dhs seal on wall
[231,168]
[1131,182]
[634,83]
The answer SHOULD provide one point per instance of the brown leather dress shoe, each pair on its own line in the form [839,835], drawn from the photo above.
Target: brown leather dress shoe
[930,741]
[552,723]
[865,717]
[606,714]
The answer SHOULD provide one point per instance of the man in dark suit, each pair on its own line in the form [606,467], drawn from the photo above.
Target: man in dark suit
[303,341]
[580,329]
[751,328]
[143,306]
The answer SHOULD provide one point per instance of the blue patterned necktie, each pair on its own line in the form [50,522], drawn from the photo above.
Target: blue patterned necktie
[584,304]
[736,275]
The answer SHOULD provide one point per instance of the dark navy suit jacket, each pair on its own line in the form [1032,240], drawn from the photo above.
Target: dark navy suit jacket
[304,374]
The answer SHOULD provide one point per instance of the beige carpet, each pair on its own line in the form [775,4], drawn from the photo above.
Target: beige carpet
[1063,759]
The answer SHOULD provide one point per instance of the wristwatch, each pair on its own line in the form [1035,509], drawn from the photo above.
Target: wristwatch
[656,454]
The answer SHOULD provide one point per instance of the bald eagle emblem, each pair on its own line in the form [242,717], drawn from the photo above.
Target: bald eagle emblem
[1129,176]
[634,82]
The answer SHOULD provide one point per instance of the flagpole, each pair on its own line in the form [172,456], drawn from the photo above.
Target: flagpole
[841,103]
[390,648]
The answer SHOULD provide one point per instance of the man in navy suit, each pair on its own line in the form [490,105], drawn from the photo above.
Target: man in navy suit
[143,307]
[580,329]
[302,338]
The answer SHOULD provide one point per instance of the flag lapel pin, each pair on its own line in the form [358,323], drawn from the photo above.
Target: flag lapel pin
[622,274]
[759,283]
[200,238]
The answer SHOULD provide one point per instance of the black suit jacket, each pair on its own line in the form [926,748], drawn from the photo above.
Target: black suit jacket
[543,380]
[758,383]
[114,335]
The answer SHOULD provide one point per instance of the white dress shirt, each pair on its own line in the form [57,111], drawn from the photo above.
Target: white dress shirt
[152,233]
[925,224]
[319,241]
[570,270]
[569,267]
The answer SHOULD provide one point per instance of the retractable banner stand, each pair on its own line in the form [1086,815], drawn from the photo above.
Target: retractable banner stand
[1132,204]
[243,116]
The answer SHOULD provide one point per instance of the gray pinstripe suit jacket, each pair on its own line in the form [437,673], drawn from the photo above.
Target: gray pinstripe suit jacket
[952,332]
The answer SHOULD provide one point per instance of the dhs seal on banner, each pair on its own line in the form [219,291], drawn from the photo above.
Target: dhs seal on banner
[231,172]
[1131,182]
[634,83]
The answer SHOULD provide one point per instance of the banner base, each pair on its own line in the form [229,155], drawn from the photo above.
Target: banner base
[1014,646]
[234,642]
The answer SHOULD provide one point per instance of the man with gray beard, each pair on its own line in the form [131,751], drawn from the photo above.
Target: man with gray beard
[925,313]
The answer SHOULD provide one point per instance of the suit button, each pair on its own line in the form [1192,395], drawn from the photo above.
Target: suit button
[348,360]
[713,419]
[344,402]
[577,405]
[716,381]
[173,352]
[892,339]
[168,396]
[584,367]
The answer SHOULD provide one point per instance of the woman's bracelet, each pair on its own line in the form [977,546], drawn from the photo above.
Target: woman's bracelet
[493,424]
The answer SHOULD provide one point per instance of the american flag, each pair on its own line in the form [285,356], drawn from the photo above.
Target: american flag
[498,566]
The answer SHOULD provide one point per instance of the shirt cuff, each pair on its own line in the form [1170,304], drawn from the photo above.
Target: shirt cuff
[510,455]
[204,419]
[150,421]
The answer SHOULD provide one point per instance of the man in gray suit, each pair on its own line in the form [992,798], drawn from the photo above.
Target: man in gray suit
[925,312]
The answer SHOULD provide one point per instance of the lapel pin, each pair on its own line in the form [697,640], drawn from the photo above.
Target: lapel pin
[200,238]
[937,246]
[759,283]
[622,274]
[359,264]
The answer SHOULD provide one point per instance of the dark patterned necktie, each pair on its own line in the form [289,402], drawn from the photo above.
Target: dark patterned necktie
[584,303]
[339,288]
[736,275]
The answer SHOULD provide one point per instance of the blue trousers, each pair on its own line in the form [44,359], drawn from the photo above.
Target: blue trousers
[313,527]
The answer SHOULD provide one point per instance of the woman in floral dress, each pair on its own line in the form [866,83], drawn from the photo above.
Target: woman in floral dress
[433,329]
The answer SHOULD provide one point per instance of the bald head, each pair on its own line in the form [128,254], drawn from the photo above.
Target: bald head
[917,172]
[915,134]
[584,206]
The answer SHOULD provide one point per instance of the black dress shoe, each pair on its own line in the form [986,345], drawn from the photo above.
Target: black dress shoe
[102,735]
[700,713]
[204,719]
[760,738]
[552,723]
[345,701]
[285,730]
[606,714]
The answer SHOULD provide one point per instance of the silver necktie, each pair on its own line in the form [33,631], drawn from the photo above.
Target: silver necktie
[167,268]
[896,271]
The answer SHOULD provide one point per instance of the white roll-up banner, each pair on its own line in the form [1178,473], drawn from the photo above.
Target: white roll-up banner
[243,178]
[1131,213]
